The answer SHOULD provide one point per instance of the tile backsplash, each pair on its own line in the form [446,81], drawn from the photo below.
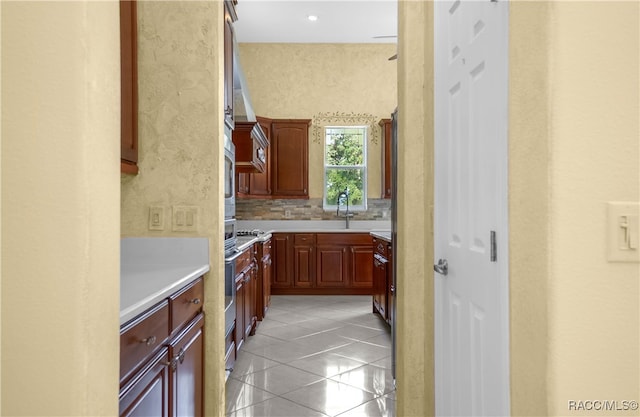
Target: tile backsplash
[311,209]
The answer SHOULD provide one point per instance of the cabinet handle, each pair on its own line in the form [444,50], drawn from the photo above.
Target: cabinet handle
[195,301]
[228,111]
[149,340]
[172,364]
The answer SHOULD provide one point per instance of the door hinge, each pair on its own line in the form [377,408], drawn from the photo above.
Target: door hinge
[494,247]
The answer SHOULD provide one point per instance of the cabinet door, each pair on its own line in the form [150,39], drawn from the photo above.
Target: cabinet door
[229,18]
[332,266]
[282,261]
[290,157]
[147,394]
[239,330]
[303,267]
[391,293]
[361,266]
[260,183]
[266,284]
[380,285]
[385,126]
[187,383]
[249,301]
[128,87]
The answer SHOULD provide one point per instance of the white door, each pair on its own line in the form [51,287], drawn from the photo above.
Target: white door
[471,301]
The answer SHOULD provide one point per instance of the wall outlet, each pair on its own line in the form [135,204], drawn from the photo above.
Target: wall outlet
[185,218]
[156,218]
[287,214]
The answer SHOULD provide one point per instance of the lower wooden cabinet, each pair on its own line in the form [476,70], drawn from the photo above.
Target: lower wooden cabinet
[263,287]
[162,357]
[246,282]
[187,353]
[383,290]
[147,394]
[322,263]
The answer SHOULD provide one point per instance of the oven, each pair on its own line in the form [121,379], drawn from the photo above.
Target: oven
[230,236]
[229,177]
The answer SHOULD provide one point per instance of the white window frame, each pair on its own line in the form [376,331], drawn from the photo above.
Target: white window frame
[364,167]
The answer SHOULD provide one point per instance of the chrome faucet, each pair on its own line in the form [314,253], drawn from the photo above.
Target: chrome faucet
[342,198]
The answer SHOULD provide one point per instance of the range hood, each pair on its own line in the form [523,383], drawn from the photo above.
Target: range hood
[242,107]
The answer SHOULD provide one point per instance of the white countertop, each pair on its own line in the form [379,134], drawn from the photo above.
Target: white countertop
[380,234]
[152,269]
[315,226]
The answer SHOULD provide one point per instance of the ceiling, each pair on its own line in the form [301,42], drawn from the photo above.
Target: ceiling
[345,21]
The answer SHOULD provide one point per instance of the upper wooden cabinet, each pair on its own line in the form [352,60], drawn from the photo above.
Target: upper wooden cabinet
[290,158]
[128,87]
[385,126]
[286,168]
[260,183]
[229,17]
[251,147]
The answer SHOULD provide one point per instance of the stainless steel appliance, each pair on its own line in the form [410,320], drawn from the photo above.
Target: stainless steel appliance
[230,235]
[229,176]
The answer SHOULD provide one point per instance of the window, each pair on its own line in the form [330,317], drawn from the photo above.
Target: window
[345,166]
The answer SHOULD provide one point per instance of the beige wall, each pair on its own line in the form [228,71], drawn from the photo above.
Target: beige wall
[573,146]
[60,213]
[414,365]
[181,141]
[594,327]
[298,81]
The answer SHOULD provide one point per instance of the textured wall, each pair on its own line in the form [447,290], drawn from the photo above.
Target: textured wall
[415,367]
[594,327]
[178,84]
[60,208]
[303,80]
[180,158]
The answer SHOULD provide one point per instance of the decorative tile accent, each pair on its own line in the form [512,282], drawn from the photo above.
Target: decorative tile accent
[311,209]
[322,120]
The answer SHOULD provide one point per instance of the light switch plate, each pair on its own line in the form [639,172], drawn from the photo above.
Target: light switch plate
[156,218]
[623,229]
[185,219]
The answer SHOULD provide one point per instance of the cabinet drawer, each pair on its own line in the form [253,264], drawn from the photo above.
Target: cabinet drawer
[186,304]
[304,239]
[141,336]
[381,246]
[243,260]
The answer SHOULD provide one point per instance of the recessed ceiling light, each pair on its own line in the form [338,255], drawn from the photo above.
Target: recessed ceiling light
[312,17]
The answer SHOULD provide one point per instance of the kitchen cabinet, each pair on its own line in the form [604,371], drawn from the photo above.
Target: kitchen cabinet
[128,87]
[246,269]
[263,288]
[251,144]
[290,158]
[260,183]
[162,357]
[282,254]
[322,263]
[303,260]
[286,162]
[383,280]
[230,16]
[385,127]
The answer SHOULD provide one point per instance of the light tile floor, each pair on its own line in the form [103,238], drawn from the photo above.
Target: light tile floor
[315,356]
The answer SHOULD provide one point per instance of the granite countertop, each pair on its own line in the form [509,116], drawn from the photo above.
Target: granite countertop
[152,269]
[315,226]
